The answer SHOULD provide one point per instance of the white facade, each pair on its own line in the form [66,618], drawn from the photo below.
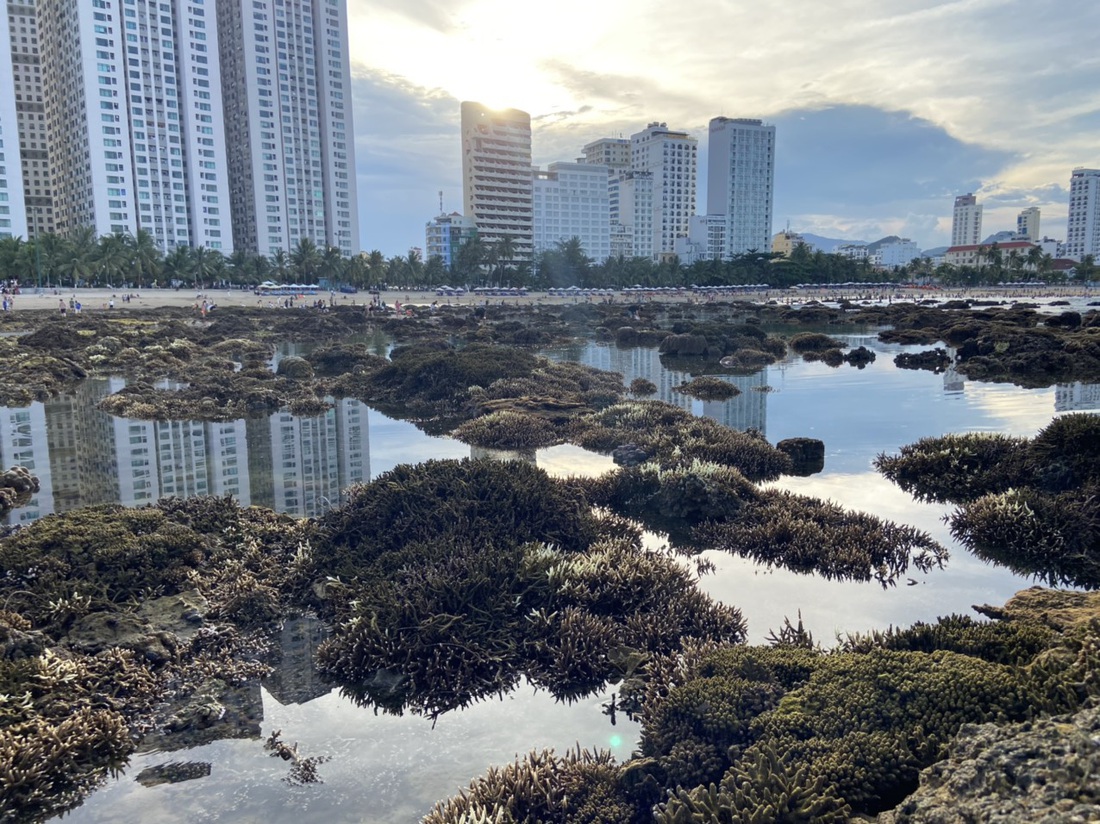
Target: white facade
[444,234]
[740,181]
[706,239]
[671,157]
[1027,224]
[133,105]
[23,442]
[496,175]
[288,116]
[1083,227]
[966,221]
[897,254]
[571,200]
[20,110]
[630,204]
[853,251]
[613,152]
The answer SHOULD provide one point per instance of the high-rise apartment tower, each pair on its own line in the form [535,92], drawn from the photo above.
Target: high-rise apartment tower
[1083,225]
[496,175]
[25,132]
[671,158]
[740,180]
[966,222]
[133,111]
[286,72]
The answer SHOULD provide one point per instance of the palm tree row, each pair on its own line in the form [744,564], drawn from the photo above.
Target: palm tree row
[134,261]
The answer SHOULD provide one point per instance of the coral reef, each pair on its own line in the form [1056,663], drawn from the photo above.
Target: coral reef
[17,487]
[708,388]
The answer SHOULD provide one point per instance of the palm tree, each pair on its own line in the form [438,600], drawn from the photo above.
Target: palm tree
[506,252]
[332,265]
[415,266]
[306,260]
[205,264]
[376,267]
[1034,258]
[113,257]
[281,262]
[179,266]
[81,251]
[145,257]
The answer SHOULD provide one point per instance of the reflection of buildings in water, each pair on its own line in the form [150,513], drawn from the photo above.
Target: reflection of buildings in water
[23,443]
[745,411]
[1076,397]
[83,463]
[300,466]
[952,380]
[524,455]
[294,679]
[749,410]
[84,456]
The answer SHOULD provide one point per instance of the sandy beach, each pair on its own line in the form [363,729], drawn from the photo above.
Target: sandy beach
[107,300]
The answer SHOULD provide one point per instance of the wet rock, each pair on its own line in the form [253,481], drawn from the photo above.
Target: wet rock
[1042,772]
[629,454]
[100,630]
[173,773]
[934,360]
[294,368]
[17,645]
[807,455]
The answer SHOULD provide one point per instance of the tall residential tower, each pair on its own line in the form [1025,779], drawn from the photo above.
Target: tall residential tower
[671,158]
[288,123]
[966,221]
[740,180]
[497,187]
[24,133]
[132,100]
[1083,226]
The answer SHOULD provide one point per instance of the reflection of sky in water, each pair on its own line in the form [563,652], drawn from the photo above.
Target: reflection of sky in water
[382,768]
[392,769]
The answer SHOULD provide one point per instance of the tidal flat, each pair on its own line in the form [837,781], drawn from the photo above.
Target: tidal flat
[442,584]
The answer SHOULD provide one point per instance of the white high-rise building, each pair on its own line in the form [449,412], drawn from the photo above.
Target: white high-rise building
[133,111]
[671,157]
[496,175]
[740,181]
[1027,224]
[612,152]
[25,208]
[630,203]
[966,222]
[1083,226]
[570,200]
[288,121]
[13,222]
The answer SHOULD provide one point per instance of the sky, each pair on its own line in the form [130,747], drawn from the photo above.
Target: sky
[884,110]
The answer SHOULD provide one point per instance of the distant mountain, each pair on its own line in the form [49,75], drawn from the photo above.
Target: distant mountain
[882,241]
[828,245]
[935,251]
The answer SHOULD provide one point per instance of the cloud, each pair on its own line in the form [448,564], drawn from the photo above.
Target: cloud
[885,110]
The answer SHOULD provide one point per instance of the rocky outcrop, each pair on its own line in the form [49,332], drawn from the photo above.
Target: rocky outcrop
[1041,772]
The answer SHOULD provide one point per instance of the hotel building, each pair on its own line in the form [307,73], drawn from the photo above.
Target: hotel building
[571,200]
[1083,226]
[966,221]
[497,188]
[671,158]
[740,181]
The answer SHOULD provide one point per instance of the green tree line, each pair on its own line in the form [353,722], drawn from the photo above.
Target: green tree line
[134,261]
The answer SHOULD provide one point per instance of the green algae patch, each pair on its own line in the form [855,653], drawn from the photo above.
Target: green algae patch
[1030,505]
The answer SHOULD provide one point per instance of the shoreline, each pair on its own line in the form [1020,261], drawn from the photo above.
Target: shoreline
[97,300]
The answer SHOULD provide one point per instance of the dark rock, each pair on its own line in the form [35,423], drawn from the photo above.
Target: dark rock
[807,455]
[1043,772]
[629,454]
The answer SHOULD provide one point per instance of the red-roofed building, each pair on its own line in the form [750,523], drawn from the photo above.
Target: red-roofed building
[976,255]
